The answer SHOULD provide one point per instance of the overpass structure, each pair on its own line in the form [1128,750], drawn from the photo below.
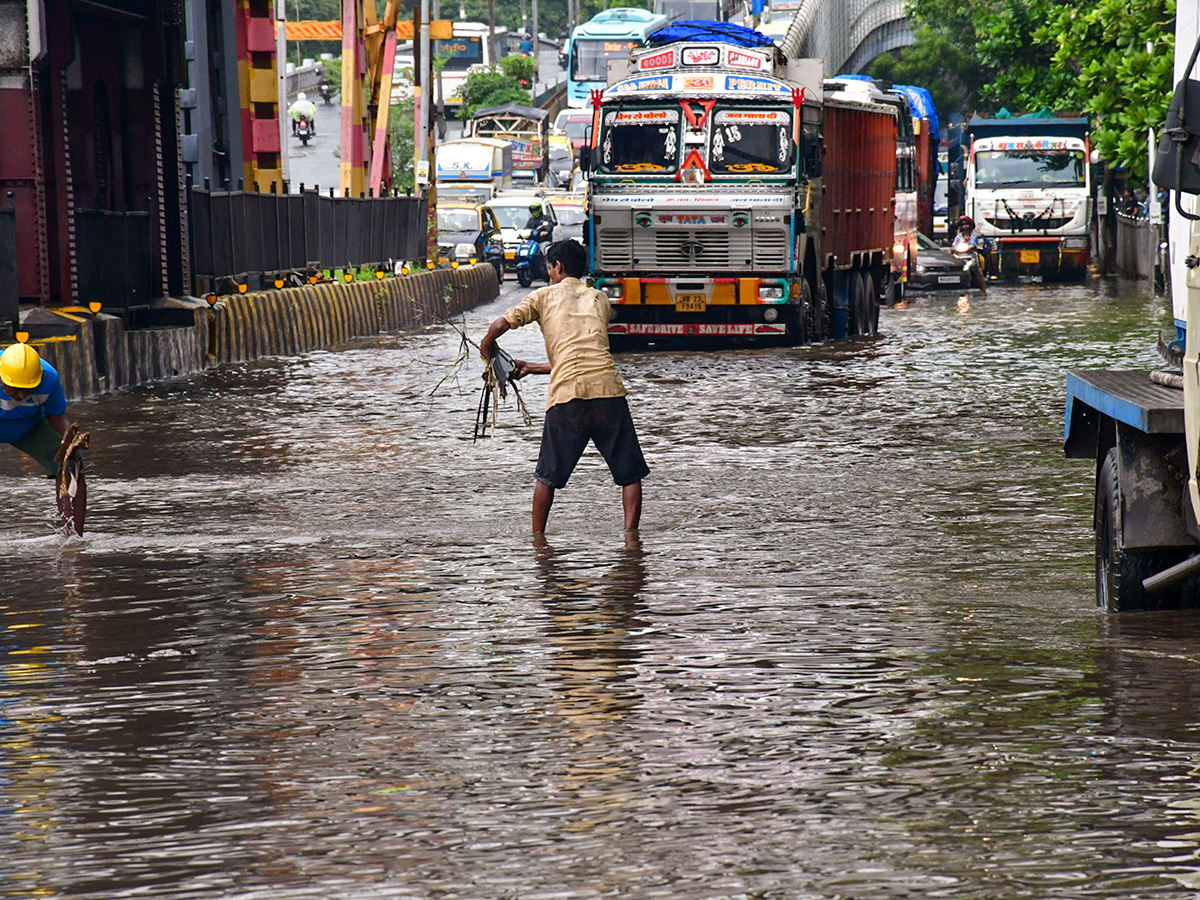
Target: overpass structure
[847,34]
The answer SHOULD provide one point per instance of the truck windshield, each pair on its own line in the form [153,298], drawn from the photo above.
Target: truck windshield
[457,220]
[751,141]
[1029,168]
[642,140]
[589,58]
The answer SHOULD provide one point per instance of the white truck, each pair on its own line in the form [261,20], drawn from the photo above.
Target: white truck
[1142,428]
[474,169]
[1027,186]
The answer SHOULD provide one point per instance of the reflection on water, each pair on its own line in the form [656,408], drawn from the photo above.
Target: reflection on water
[309,649]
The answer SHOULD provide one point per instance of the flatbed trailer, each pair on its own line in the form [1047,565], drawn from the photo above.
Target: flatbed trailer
[1133,427]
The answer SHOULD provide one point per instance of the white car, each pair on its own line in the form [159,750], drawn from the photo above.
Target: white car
[512,212]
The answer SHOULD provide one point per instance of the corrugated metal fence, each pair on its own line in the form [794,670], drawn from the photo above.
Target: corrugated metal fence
[1137,246]
[252,237]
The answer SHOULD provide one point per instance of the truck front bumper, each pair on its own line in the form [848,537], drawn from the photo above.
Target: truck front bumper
[649,309]
[1062,257]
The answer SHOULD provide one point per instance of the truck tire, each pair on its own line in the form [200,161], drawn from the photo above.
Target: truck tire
[801,320]
[854,298]
[1119,573]
[870,305]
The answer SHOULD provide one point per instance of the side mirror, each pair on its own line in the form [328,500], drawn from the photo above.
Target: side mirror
[1175,160]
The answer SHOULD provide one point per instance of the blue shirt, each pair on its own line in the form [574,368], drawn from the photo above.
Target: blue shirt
[19,417]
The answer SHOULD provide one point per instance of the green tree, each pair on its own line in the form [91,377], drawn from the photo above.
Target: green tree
[490,87]
[1124,87]
[402,125]
[1060,54]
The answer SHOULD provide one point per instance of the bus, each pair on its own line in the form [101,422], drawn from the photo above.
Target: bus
[609,36]
[469,47]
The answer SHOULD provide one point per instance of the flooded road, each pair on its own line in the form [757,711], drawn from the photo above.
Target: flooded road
[309,648]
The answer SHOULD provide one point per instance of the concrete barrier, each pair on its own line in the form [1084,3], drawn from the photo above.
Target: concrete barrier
[97,353]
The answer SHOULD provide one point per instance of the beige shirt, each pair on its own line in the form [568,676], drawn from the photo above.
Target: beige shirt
[574,321]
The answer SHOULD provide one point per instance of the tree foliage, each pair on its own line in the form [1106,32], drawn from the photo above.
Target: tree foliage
[1064,55]
[491,87]
[402,127]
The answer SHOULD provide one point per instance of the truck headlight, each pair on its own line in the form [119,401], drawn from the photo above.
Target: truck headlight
[614,289]
[1075,243]
[772,291]
[464,251]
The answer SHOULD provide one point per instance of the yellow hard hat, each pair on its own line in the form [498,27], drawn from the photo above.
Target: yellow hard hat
[21,367]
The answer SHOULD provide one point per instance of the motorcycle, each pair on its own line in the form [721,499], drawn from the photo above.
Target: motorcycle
[326,92]
[972,260]
[304,131]
[531,261]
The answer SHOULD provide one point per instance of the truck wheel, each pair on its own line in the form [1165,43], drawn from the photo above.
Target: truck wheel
[870,317]
[800,321]
[1119,573]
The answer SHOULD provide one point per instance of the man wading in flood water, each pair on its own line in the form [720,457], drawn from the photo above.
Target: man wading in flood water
[586,400]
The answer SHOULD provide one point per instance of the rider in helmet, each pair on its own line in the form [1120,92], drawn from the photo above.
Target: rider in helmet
[33,407]
[968,237]
[303,108]
[539,226]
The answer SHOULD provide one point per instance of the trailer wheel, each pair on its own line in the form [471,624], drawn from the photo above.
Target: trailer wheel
[1119,573]
[866,308]
[854,298]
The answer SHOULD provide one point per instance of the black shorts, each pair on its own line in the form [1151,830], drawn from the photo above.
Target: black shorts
[607,423]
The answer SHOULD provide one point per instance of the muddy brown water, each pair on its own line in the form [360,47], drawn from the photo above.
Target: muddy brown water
[309,649]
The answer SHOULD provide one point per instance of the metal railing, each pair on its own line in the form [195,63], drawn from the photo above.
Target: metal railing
[253,237]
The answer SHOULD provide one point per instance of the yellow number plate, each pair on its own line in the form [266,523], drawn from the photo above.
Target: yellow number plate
[1031,256]
[690,303]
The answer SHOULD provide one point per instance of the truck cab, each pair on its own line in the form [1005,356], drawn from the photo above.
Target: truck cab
[1027,186]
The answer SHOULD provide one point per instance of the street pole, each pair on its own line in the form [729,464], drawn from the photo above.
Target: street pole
[1152,203]
[424,165]
[281,76]
[536,48]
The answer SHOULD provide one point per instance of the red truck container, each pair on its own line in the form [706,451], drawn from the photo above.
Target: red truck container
[859,214]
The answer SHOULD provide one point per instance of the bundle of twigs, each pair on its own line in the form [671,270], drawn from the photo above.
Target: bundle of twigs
[497,379]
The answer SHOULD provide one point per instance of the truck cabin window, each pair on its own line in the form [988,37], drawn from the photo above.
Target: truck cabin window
[589,58]
[1029,168]
[751,142]
[645,140]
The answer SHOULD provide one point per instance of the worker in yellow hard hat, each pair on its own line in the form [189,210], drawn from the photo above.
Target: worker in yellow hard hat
[33,407]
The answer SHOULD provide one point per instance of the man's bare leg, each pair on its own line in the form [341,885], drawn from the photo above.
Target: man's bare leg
[631,500]
[543,497]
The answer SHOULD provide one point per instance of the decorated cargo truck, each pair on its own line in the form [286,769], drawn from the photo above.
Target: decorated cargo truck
[735,195]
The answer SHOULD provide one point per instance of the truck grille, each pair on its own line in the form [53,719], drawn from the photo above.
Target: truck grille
[692,250]
[614,249]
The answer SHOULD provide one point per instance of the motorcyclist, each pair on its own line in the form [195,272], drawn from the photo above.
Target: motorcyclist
[303,108]
[540,227]
[968,238]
